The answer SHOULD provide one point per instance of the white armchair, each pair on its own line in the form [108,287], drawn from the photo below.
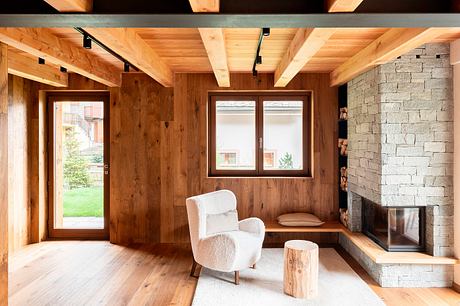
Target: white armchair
[223,250]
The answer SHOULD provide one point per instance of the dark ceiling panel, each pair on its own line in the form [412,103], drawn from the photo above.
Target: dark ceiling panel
[141,7]
[25,7]
[405,6]
[272,6]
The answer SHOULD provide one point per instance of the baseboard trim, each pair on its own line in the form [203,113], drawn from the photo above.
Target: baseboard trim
[456,287]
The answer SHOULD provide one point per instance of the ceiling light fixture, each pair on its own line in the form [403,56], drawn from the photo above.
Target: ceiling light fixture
[86,42]
[265,32]
[41,61]
[63,69]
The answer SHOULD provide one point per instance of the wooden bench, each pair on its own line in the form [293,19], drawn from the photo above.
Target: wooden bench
[364,243]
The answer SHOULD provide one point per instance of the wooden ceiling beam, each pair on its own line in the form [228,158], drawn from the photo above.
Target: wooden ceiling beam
[307,42]
[43,43]
[205,6]
[129,45]
[387,47]
[72,6]
[29,68]
[336,6]
[214,42]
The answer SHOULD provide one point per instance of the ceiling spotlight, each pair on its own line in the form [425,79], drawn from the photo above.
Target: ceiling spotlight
[259,59]
[41,61]
[126,67]
[63,69]
[86,42]
[266,31]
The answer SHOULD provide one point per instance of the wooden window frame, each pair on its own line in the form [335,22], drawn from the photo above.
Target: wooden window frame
[71,233]
[259,98]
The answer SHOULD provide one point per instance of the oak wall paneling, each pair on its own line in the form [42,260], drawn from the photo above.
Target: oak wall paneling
[3,174]
[159,156]
[262,197]
[137,111]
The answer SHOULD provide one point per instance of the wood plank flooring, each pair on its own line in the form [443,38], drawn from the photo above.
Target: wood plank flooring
[99,273]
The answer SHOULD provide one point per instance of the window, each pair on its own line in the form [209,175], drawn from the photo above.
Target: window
[260,134]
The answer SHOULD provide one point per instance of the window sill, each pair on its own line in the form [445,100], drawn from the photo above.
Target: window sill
[261,177]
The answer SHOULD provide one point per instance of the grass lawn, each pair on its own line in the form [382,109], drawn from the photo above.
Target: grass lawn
[84,202]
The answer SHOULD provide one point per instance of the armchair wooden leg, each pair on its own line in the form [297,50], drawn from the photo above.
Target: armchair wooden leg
[254,266]
[192,273]
[237,277]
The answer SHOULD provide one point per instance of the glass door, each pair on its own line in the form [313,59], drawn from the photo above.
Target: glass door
[78,165]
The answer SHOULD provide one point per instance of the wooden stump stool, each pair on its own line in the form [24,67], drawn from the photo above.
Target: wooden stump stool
[301,268]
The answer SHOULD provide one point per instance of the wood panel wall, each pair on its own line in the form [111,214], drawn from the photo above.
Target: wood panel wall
[137,109]
[184,156]
[3,174]
[20,100]
[158,157]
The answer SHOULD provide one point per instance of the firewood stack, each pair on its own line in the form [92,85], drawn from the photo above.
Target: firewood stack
[343,146]
[343,113]
[343,179]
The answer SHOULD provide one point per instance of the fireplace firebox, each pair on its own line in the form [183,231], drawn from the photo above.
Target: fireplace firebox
[394,228]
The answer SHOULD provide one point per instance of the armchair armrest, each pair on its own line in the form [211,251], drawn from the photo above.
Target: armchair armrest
[253,225]
[218,252]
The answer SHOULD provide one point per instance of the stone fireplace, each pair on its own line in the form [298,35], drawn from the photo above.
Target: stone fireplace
[400,142]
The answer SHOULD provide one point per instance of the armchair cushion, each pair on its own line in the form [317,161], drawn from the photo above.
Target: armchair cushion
[224,222]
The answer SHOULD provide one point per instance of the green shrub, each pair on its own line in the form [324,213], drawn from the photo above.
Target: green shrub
[285,162]
[75,166]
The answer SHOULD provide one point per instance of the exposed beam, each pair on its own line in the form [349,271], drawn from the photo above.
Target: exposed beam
[3,174]
[66,6]
[214,42]
[43,43]
[306,43]
[303,47]
[387,47]
[205,6]
[348,20]
[127,43]
[336,6]
[29,68]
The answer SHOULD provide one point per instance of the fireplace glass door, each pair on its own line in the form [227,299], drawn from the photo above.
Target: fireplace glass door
[394,228]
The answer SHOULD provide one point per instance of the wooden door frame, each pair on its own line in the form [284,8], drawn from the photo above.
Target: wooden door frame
[98,96]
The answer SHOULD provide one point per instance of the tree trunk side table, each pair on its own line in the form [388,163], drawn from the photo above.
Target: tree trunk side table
[301,269]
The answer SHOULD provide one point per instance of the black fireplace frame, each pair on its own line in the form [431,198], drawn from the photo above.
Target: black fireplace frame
[421,247]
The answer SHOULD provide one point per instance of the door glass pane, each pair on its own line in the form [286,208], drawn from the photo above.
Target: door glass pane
[79,165]
[283,135]
[235,135]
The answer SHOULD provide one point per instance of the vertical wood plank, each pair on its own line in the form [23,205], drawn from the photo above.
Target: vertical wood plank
[3,174]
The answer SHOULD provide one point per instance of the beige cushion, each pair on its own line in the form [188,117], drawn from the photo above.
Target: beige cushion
[225,222]
[299,219]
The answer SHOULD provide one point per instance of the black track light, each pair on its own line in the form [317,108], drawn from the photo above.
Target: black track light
[41,61]
[266,31]
[126,67]
[86,42]
[259,59]
[63,69]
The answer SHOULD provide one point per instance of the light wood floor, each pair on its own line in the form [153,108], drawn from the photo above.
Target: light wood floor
[98,273]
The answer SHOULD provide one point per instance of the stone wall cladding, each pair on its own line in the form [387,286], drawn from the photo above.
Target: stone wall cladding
[400,275]
[400,133]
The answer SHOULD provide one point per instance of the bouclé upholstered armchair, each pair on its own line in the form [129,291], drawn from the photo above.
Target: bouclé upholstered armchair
[219,241]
